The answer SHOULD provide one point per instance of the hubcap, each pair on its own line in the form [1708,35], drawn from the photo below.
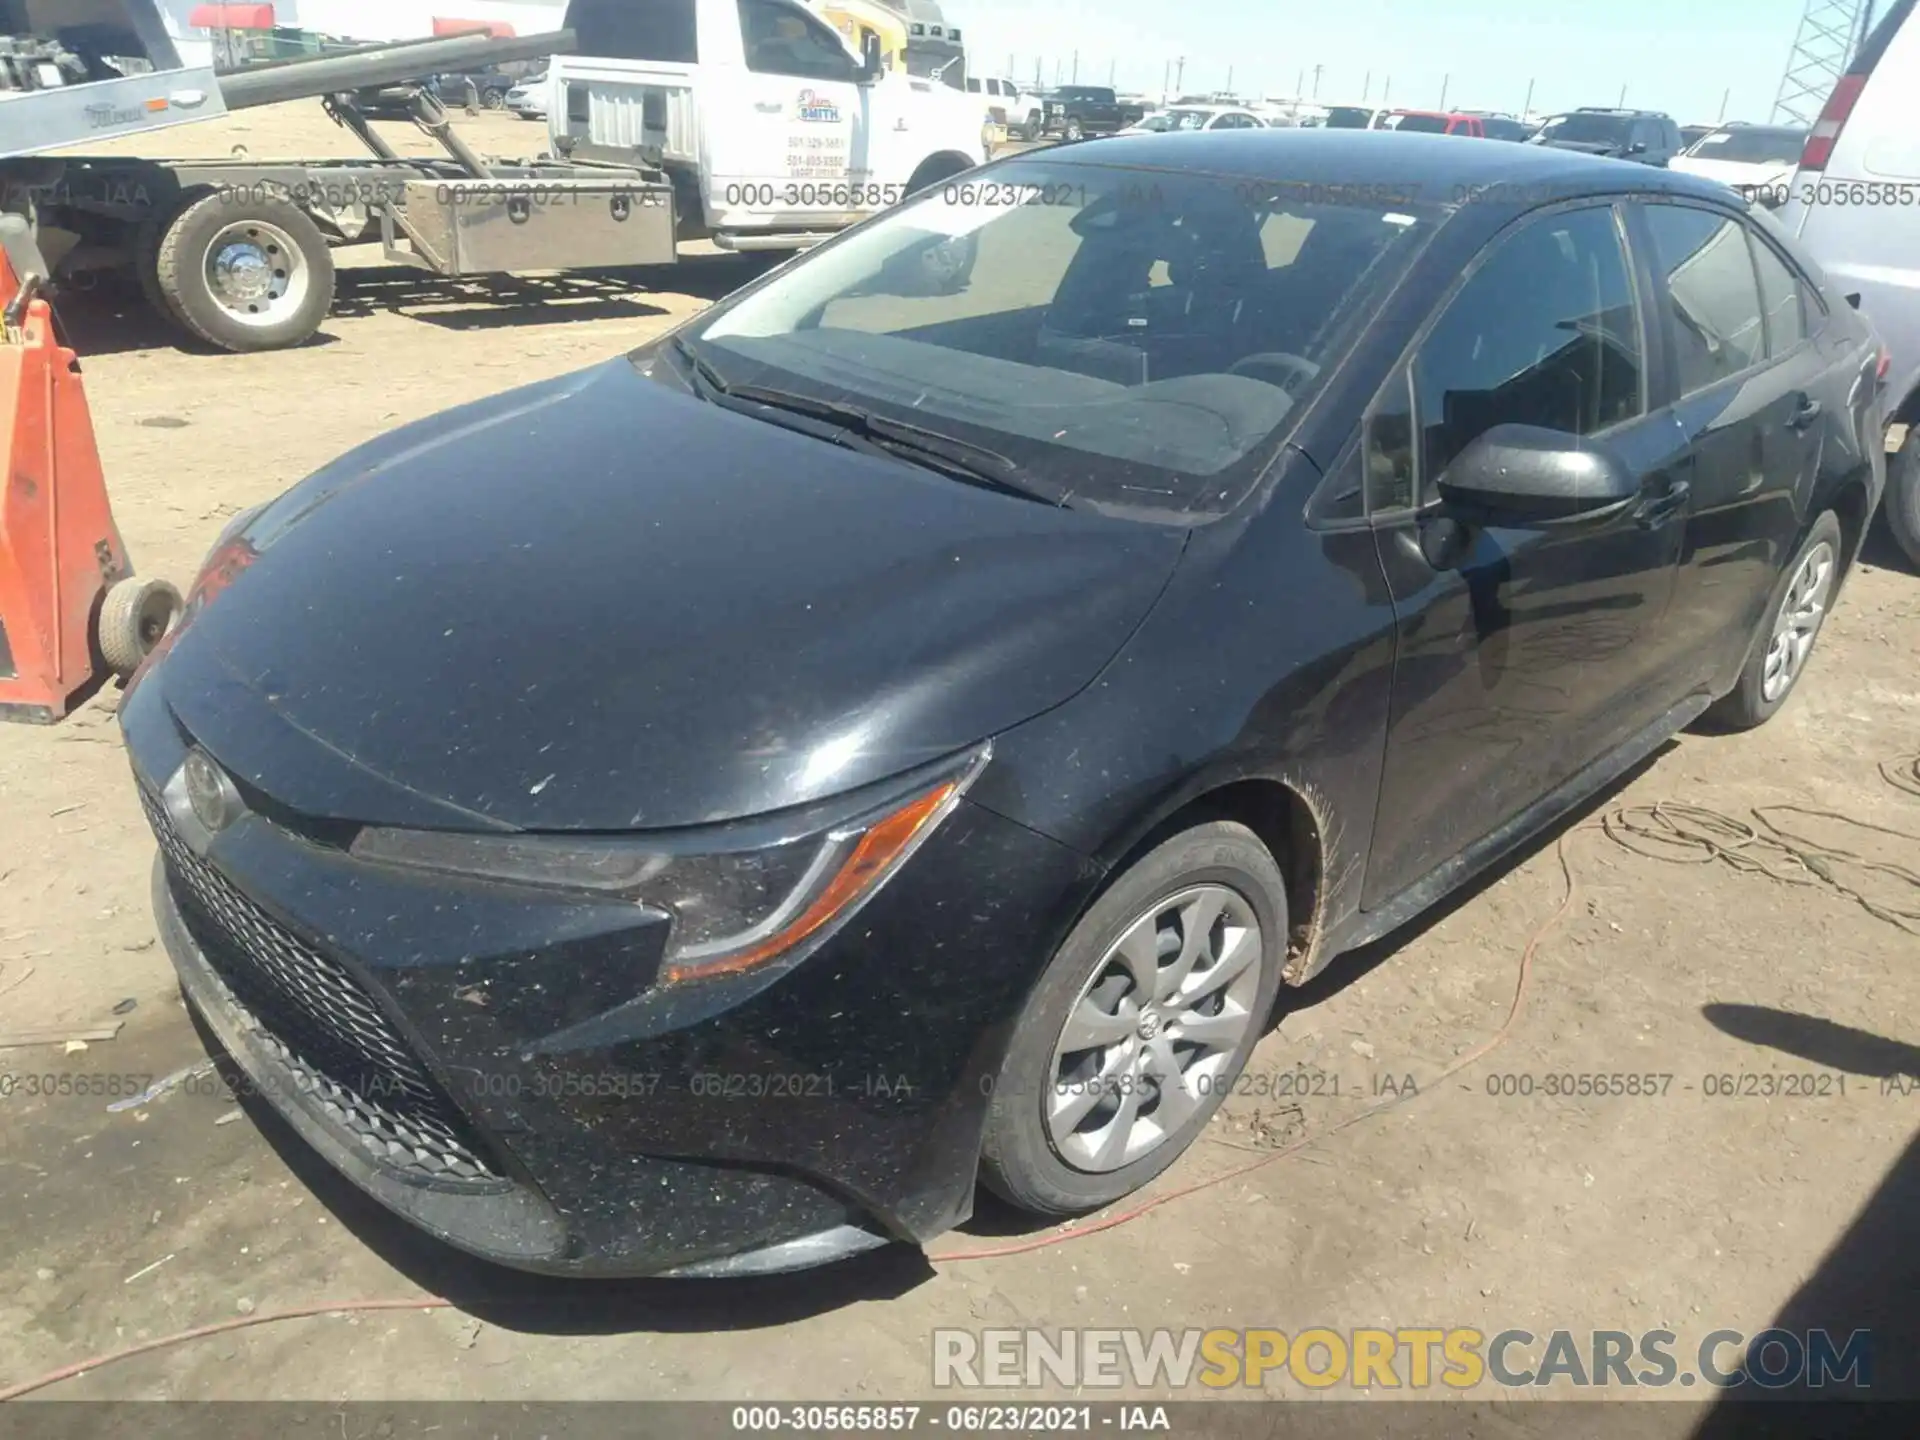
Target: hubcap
[255,272]
[1149,1039]
[1798,622]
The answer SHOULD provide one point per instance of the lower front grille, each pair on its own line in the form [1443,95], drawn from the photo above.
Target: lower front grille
[347,1059]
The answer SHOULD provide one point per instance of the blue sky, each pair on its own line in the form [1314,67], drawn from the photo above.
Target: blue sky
[1675,55]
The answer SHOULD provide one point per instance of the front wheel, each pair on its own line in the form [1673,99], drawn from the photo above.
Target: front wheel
[1795,613]
[1075,131]
[1140,1024]
[245,274]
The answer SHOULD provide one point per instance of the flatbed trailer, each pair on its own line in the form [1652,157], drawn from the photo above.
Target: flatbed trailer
[238,252]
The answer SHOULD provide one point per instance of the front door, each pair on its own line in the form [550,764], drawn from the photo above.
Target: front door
[787,147]
[1523,653]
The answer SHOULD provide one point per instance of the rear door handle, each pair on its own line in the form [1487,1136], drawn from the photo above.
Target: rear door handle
[1808,412]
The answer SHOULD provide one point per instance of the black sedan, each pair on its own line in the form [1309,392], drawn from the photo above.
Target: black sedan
[704,813]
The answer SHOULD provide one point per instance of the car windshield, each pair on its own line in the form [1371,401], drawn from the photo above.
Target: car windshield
[1588,129]
[1133,341]
[1752,145]
[1187,119]
[1419,124]
[1348,117]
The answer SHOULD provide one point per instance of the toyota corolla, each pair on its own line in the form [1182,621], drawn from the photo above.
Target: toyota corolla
[902,730]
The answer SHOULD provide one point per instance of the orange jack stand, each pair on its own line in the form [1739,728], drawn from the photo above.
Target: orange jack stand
[69,611]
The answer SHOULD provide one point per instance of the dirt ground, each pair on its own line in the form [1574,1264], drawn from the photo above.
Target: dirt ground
[1689,1210]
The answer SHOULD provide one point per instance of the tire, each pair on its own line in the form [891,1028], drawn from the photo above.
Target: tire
[1065,1169]
[1075,131]
[494,100]
[1756,698]
[146,257]
[134,618]
[1902,500]
[276,247]
[946,268]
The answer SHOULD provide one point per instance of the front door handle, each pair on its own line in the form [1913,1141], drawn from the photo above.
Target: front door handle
[1658,509]
[769,107]
[1808,412]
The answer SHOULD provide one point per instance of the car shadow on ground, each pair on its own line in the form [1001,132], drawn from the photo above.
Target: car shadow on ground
[1882,552]
[492,302]
[1870,1279]
[108,315]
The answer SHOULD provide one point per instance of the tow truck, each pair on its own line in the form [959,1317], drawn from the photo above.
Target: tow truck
[777,138]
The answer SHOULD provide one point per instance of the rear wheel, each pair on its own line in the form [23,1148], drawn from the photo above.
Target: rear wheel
[946,265]
[1902,500]
[245,274]
[1140,1025]
[1794,616]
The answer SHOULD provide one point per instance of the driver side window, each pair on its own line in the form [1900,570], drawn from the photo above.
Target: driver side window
[1544,333]
[782,39]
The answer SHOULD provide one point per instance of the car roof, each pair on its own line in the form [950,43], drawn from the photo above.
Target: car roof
[1430,166]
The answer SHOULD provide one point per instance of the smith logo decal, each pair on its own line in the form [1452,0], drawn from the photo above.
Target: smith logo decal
[818,109]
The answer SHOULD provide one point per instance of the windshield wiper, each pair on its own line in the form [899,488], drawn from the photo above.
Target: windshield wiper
[863,430]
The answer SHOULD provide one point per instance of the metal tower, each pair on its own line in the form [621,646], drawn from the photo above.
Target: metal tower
[1830,31]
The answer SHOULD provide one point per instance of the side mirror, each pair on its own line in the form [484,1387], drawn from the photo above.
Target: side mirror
[1852,297]
[873,59]
[1522,475]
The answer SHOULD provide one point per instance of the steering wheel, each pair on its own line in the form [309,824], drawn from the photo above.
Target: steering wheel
[1291,369]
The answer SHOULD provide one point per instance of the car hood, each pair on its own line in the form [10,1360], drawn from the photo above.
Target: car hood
[1736,172]
[597,603]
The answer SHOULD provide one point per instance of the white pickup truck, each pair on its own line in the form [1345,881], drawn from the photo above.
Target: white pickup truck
[774,133]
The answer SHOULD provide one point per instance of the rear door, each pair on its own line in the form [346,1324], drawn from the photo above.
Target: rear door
[1749,387]
[1523,653]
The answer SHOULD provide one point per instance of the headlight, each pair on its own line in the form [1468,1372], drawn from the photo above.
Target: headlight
[740,897]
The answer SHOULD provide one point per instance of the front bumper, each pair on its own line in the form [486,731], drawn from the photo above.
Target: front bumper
[464,1053]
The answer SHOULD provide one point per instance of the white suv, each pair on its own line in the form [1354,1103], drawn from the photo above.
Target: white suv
[1855,204]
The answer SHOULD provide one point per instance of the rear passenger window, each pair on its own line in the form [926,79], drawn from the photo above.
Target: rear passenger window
[1545,333]
[1712,307]
[620,30]
[1780,300]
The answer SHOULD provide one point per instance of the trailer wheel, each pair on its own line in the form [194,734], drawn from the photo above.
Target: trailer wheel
[134,618]
[245,274]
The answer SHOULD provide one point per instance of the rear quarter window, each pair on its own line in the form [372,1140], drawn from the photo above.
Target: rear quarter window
[663,30]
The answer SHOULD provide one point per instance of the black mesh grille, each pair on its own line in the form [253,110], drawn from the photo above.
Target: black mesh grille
[319,1021]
